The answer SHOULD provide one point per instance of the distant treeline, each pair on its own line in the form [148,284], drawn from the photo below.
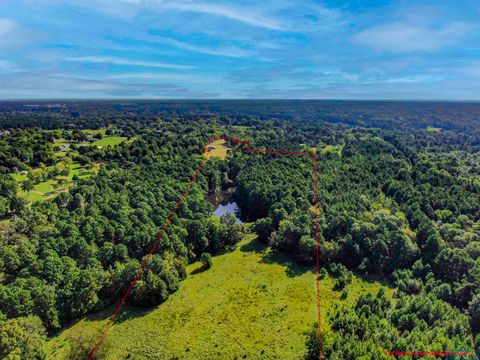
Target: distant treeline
[460,116]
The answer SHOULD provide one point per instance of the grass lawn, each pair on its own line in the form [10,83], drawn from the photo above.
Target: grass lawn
[40,191]
[434,129]
[80,171]
[109,140]
[251,304]
[32,196]
[19,177]
[45,187]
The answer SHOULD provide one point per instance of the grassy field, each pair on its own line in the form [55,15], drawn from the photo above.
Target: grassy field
[109,140]
[81,172]
[219,149]
[251,304]
[19,177]
[41,191]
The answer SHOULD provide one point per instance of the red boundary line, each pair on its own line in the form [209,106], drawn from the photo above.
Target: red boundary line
[172,214]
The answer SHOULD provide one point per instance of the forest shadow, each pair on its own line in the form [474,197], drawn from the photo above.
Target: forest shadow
[126,313]
[270,256]
[254,245]
[375,278]
[198,270]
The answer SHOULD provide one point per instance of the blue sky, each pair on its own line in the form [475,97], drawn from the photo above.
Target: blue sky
[246,49]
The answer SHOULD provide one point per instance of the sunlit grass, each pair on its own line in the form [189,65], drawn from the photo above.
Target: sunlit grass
[217,149]
[251,303]
[109,140]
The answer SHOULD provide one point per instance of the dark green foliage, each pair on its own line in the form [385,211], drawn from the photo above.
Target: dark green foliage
[8,195]
[78,253]
[474,312]
[373,326]
[394,201]
[313,349]
[21,149]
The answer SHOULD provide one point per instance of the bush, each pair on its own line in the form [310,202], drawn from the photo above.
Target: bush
[206,260]
[311,343]
[340,283]
[81,344]
[323,273]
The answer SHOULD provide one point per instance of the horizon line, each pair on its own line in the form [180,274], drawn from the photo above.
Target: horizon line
[235,99]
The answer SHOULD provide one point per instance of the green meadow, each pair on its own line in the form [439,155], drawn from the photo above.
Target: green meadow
[251,304]
[109,140]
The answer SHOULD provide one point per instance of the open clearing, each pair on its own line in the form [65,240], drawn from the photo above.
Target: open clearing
[251,304]
[109,140]
[218,149]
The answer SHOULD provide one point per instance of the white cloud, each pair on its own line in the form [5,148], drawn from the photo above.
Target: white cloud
[127,8]
[274,15]
[14,37]
[6,27]
[61,86]
[245,15]
[8,67]
[412,79]
[234,52]
[405,37]
[188,78]
[470,70]
[120,61]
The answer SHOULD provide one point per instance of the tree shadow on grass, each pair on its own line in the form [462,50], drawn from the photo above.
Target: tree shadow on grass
[270,256]
[198,270]
[126,313]
[132,312]
[293,268]
[254,245]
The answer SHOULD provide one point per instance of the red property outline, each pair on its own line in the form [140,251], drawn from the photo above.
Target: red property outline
[248,149]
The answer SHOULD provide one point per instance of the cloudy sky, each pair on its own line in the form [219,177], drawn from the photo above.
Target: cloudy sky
[358,49]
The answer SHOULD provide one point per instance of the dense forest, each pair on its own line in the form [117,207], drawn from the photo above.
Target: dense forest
[398,193]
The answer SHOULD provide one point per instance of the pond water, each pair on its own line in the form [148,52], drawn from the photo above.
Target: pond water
[230,207]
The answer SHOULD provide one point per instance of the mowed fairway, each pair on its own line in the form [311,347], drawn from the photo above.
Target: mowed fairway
[250,304]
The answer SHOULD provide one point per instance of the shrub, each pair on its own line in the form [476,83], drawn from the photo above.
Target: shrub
[206,260]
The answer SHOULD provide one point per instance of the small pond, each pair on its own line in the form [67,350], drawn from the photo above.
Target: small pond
[230,207]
